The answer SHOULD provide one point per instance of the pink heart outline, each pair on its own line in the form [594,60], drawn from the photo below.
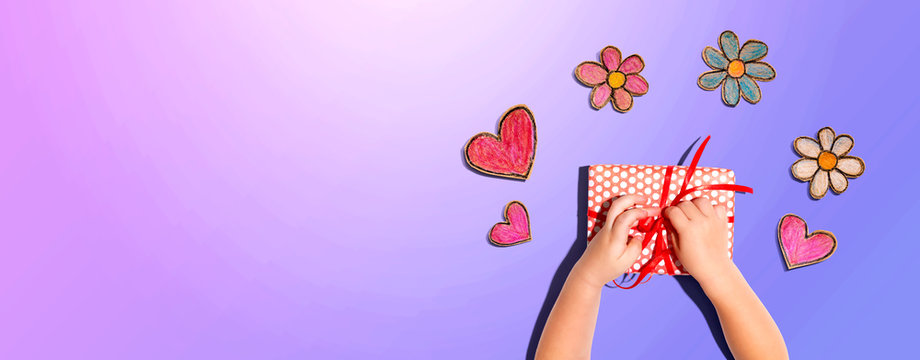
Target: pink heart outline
[801,248]
[515,229]
[511,152]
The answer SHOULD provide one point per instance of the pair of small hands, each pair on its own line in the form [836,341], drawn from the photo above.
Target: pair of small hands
[701,240]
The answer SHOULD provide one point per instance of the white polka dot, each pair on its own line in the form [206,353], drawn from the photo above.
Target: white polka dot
[731,173]
[682,172]
[706,178]
[677,272]
[656,176]
[648,181]
[624,174]
[729,254]
[599,168]
[591,183]
[640,175]
[698,172]
[607,173]
[615,189]
[722,178]
[698,183]
[721,198]
[660,271]
[644,251]
[656,186]
[632,190]
[632,170]
[606,194]
[599,178]
[615,179]
[598,188]
[616,169]
[648,191]
[606,183]
[648,171]
[598,199]
[636,266]
[730,204]
[623,184]
[632,180]
[656,196]
[729,243]
[640,185]
[590,203]
[661,263]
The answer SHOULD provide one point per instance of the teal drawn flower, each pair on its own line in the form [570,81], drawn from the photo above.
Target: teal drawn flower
[736,69]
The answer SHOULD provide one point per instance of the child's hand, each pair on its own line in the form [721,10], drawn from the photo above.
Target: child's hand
[701,242]
[609,254]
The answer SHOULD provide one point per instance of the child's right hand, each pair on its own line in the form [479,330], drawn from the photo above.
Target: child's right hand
[701,242]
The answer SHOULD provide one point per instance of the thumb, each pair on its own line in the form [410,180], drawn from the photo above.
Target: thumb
[633,248]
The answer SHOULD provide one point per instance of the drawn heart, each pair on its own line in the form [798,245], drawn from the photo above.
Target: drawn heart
[800,249]
[515,229]
[510,153]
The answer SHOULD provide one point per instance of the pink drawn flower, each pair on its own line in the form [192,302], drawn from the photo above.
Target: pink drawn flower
[613,79]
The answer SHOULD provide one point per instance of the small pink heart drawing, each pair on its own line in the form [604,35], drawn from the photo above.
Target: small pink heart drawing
[509,154]
[801,248]
[515,229]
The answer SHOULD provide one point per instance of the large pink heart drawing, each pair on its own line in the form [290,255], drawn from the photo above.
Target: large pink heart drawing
[800,249]
[515,229]
[511,152]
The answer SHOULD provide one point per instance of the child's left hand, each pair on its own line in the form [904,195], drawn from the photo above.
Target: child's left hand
[609,254]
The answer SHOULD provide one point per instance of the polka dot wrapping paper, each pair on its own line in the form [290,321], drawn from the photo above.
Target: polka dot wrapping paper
[607,182]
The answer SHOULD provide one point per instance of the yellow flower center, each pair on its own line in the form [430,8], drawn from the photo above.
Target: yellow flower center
[736,68]
[827,160]
[616,79]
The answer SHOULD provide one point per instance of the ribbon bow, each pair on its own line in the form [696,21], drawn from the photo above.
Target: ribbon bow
[653,228]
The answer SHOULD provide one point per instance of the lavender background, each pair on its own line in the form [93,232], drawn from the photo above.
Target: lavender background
[280,179]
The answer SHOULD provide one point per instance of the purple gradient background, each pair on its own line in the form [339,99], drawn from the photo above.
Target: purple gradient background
[275,179]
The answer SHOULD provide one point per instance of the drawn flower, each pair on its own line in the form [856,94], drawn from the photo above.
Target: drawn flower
[736,69]
[825,162]
[613,79]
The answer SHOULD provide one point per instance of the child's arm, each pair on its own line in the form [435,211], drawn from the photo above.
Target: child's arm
[569,329]
[701,245]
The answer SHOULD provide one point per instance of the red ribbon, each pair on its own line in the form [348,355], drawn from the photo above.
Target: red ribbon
[654,227]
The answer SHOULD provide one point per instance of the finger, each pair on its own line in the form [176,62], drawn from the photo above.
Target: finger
[677,217]
[721,212]
[674,241]
[620,205]
[633,248]
[626,220]
[704,205]
[690,210]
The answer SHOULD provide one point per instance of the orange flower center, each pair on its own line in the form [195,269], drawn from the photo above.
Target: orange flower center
[736,68]
[616,79]
[827,160]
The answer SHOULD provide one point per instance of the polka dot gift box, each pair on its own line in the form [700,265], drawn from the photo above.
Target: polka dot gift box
[607,182]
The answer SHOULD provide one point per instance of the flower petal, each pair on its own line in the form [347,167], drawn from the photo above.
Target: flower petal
[591,73]
[749,89]
[760,71]
[714,58]
[804,169]
[600,95]
[711,80]
[838,181]
[826,138]
[622,100]
[753,50]
[610,56]
[807,147]
[851,166]
[730,91]
[636,84]
[842,145]
[633,64]
[728,42]
[819,184]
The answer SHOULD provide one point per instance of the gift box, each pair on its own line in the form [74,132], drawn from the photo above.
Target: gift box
[664,186]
